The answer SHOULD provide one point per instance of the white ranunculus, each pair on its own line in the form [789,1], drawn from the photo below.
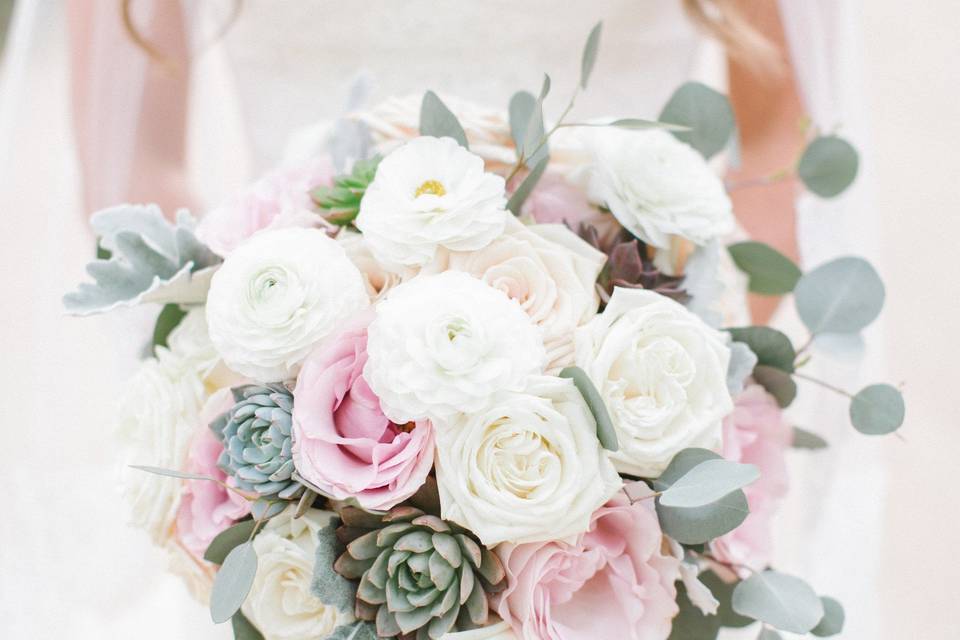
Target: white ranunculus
[547,269]
[443,344]
[276,296]
[430,193]
[157,418]
[662,372]
[657,186]
[280,604]
[378,279]
[528,468]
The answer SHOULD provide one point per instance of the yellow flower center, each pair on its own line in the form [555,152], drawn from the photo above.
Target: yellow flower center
[432,187]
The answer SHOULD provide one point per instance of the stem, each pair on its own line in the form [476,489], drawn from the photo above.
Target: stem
[545,138]
[762,181]
[825,385]
[733,566]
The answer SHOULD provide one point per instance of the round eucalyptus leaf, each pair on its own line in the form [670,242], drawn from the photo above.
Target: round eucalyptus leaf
[772,347]
[708,482]
[227,540]
[691,622]
[771,273]
[605,430]
[877,410]
[842,296]
[828,166]
[803,439]
[233,582]
[833,618]
[777,382]
[436,119]
[723,592]
[769,634]
[708,114]
[785,602]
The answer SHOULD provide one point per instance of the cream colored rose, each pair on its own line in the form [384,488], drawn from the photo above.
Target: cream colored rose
[548,270]
[528,468]
[377,278]
[662,372]
[280,603]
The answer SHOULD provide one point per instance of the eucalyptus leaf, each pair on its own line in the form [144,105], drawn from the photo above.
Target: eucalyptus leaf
[769,634]
[171,473]
[437,120]
[637,123]
[523,191]
[590,54]
[702,284]
[706,112]
[170,316]
[723,592]
[233,582]
[329,586]
[828,166]
[697,525]
[605,430]
[780,600]
[771,273]
[522,105]
[243,629]
[777,382]
[772,347]
[842,296]
[708,482]
[534,136]
[803,439]
[833,618]
[227,540]
[691,623]
[877,410]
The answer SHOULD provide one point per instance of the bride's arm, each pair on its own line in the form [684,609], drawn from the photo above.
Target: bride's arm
[769,114]
[130,101]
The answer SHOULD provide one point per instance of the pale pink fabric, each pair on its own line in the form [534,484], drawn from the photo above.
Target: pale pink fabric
[280,198]
[343,444]
[613,581]
[756,433]
[206,508]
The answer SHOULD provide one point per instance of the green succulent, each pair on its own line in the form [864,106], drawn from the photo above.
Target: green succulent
[420,577]
[257,446]
[340,203]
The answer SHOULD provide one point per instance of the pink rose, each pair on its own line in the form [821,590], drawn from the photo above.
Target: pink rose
[343,443]
[755,433]
[614,581]
[280,198]
[206,508]
[555,200]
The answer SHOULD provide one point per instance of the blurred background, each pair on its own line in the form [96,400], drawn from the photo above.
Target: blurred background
[909,81]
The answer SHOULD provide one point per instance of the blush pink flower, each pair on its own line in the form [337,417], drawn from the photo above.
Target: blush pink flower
[343,443]
[614,581]
[280,198]
[206,508]
[756,433]
[554,200]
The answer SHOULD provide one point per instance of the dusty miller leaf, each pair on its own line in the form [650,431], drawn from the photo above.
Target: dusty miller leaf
[329,586]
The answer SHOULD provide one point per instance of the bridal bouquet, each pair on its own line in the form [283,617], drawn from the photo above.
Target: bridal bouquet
[466,374]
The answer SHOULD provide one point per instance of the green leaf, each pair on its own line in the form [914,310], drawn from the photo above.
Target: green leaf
[605,431]
[708,482]
[243,629]
[691,623]
[227,540]
[522,105]
[698,525]
[706,112]
[590,54]
[769,634]
[723,592]
[772,347]
[171,473]
[437,120]
[877,410]
[233,582]
[771,273]
[842,296]
[170,316]
[359,630]
[828,166]
[523,191]
[803,439]
[833,618]
[782,601]
[533,132]
[777,382]
[329,586]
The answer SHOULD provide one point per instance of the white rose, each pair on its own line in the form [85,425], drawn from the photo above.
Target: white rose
[658,186]
[157,418]
[377,278]
[276,296]
[547,269]
[442,344]
[527,469]
[662,372]
[280,604]
[496,630]
[430,193]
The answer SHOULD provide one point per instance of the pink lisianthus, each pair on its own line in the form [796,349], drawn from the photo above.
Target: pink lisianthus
[343,443]
[614,581]
[554,200]
[755,433]
[280,198]
[206,508]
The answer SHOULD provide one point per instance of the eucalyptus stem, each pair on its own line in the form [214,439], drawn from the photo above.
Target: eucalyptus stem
[543,140]
[733,566]
[825,385]
[762,181]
